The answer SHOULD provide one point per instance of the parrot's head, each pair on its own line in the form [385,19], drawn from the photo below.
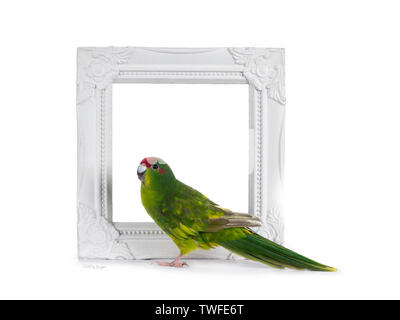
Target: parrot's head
[154,172]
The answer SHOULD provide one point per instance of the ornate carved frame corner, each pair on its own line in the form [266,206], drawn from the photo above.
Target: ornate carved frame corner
[98,68]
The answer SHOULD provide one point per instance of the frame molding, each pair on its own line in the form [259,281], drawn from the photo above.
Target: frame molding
[98,68]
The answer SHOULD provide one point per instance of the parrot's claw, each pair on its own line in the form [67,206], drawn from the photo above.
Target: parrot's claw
[175,264]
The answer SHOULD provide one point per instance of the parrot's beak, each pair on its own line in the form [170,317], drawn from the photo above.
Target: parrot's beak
[140,172]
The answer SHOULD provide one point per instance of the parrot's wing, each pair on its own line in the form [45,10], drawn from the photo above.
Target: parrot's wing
[218,218]
[232,219]
[190,212]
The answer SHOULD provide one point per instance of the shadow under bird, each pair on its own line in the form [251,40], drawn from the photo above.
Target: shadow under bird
[195,222]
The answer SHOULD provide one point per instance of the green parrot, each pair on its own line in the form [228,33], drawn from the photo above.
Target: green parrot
[193,221]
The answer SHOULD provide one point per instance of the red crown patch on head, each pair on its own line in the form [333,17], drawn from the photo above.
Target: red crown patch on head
[148,165]
[149,161]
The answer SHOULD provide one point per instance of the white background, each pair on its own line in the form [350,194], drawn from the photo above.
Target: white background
[342,150]
[200,130]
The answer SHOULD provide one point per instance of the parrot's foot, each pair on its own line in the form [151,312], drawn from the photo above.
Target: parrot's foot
[175,263]
[172,264]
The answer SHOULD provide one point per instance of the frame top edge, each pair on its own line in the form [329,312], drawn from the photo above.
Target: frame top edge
[176,48]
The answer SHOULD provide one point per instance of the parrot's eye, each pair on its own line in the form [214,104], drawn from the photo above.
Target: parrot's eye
[155,166]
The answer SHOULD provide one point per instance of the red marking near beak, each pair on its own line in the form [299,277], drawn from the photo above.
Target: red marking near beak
[148,165]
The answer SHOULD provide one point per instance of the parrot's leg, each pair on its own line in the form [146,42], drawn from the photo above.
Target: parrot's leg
[174,263]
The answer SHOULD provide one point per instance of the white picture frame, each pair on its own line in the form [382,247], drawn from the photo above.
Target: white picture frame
[99,67]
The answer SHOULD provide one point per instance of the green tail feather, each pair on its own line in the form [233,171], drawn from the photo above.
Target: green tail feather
[257,248]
